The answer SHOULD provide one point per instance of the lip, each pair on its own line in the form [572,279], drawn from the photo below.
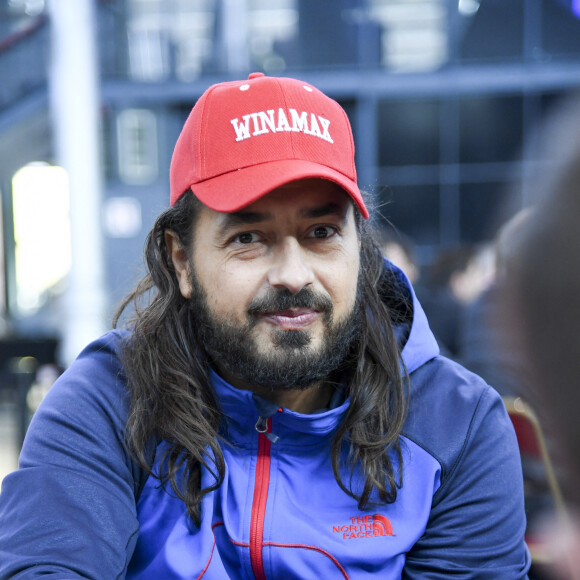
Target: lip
[291,319]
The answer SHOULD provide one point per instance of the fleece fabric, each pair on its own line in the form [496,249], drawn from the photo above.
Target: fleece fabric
[77,506]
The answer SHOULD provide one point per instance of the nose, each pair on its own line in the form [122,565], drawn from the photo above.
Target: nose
[290,268]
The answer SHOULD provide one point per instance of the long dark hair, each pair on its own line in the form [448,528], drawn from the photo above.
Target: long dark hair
[172,399]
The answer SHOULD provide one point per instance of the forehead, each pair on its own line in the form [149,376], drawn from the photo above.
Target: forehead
[307,198]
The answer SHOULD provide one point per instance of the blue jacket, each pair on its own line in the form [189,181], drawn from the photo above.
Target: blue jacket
[70,510]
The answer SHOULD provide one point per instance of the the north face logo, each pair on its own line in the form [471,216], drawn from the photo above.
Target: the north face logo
[271,121]
[365,527]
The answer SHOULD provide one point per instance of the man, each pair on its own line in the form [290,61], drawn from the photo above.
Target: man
[277,407]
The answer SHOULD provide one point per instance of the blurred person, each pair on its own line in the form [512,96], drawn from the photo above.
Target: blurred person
[400,250]
[437,300]
[440,299]
[541,301]
[469,282]
[276,407]
[486,348]
[484,343]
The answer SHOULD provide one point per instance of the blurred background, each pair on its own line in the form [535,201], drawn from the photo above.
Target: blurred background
[444,97]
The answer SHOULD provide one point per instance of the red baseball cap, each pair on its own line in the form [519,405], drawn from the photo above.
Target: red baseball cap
[243,139]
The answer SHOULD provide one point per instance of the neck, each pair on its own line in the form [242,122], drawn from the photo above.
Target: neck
[302,401]
[317,396]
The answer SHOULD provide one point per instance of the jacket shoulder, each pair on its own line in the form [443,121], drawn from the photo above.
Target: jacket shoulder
[447,406]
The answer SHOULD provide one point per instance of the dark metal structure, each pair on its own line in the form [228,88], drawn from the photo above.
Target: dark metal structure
[443,95]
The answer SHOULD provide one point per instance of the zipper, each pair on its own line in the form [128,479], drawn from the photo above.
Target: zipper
[261,426]
[262,481]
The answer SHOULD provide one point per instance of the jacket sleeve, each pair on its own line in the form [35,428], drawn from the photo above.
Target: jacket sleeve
[69,510]
[477,521]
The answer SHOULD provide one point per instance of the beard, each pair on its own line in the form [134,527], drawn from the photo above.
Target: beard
[291,362]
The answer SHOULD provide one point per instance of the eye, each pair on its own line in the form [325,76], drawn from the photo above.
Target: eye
[246,238]
[322,232]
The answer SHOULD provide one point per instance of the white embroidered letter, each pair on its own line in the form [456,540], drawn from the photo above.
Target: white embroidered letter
[283,124]
[267,122]
[299,123]
[256,124]
[314,128]
[325,124]
[242,131]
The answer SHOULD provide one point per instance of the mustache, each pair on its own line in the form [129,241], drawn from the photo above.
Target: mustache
[276,300]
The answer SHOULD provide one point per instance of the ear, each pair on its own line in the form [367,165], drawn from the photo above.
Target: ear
[178,256]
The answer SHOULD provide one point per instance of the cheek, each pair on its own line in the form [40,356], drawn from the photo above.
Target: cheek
[350,292]
[230,290]
[342,282]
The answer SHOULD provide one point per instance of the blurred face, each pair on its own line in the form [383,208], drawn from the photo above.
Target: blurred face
[273,287]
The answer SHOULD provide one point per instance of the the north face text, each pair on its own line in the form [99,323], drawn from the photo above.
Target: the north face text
[270,121]
[365,527]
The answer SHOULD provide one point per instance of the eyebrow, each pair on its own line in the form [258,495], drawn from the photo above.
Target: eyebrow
[237,218]
[330,208]
[232,220]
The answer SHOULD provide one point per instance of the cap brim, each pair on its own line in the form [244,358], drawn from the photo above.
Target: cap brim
[234,190]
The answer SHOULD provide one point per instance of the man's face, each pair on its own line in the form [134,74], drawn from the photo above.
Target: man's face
[273,287]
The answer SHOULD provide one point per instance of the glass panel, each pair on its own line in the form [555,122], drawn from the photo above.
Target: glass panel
[490,128]
[550,101]
[483,208]
[408,132]
[165,34]
[561,28]
[414,34]
[494,33]
[414,210]
[137,146]
[273,34]
[196,36]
